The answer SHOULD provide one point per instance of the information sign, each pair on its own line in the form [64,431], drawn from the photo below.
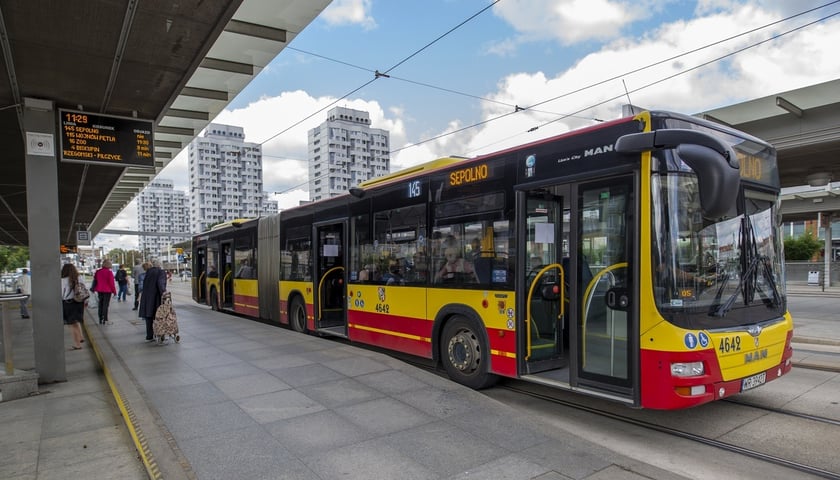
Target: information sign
[106,139]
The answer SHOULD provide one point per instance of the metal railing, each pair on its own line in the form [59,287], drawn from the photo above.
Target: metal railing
[5,319]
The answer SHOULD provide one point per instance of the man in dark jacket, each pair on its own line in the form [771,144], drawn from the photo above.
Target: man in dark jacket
[153,287]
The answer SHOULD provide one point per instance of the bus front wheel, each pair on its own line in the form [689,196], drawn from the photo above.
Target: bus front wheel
[465,355]
[297,315]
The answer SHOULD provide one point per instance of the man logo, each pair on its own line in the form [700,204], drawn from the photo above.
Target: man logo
[754,332]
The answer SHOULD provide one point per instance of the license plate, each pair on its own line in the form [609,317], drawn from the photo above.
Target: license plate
[754,381]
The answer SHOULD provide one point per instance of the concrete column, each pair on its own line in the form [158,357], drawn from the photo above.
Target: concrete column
[44,238]
[827,217]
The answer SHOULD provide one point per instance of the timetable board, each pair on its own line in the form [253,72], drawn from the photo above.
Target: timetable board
[106,139]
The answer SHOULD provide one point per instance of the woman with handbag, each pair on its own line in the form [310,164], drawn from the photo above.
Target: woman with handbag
[73,311]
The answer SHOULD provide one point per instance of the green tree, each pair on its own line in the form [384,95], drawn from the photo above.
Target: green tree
[13,257]
[802,247]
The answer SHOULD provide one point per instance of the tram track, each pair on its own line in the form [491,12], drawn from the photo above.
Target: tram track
[521,388]
[529,390]
[782,411]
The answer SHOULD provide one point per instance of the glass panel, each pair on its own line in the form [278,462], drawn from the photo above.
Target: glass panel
[714,274]
[604,242]
[543,245]
[295,258]
[243,257]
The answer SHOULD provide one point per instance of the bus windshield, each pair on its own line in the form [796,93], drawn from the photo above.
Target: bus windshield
[715,274]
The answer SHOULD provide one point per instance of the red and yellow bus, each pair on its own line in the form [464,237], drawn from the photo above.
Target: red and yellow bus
[638,260]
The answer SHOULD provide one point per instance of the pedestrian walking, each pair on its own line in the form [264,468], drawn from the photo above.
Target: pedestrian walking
[104,286]
[136,271]
[72,311]
[24,287]
[122,283]
[154,285]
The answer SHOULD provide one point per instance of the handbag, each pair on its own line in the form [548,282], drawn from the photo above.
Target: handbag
[81,292]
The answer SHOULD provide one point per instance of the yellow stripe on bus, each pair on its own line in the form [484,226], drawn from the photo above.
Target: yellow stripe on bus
[500,353]
[391,333]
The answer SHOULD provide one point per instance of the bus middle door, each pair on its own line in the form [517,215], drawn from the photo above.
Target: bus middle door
[330,279]
[227,276]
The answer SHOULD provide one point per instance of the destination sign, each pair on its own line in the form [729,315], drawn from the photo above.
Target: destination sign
[469,175]
[106,139]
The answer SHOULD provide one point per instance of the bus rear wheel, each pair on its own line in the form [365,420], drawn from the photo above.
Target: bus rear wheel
[464,354]
[297,315]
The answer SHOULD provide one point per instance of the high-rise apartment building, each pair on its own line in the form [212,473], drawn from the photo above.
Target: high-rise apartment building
[161,208]
[225,178]
[344,151]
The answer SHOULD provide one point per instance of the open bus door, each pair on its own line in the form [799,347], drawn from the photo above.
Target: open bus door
[581,330]
[330,307]
[544,287]
[607,325]
[199,277]
[227,275]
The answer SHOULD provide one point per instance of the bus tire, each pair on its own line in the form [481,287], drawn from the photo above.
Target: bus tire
[297,315]
[214,300]
[464,354]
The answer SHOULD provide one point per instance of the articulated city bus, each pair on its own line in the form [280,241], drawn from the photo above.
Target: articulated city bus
[638,260]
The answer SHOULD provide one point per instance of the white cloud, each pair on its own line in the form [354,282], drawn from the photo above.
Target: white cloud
[572,21]
[802,58]
[344,12]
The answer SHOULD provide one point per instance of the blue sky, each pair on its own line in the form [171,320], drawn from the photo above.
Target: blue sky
[518,52]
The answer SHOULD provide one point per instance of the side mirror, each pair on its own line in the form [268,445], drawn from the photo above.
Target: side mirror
[715,163]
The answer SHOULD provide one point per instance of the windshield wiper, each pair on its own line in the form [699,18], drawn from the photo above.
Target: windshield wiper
[724,308]
[776,300]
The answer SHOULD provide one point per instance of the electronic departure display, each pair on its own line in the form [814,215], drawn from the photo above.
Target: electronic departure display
[106,139]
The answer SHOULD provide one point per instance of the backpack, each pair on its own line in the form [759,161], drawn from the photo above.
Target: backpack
[81,292]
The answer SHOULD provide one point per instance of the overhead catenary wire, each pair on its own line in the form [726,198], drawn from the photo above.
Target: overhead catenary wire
[532,108]
[431,86]
[616,77]
[378,74]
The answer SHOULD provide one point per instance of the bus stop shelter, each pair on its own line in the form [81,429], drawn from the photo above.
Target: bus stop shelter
[133,82]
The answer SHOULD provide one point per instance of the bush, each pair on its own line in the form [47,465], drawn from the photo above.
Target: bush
[802,247]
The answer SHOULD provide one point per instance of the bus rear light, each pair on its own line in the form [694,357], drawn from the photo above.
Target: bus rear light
[691,391]
[687,369]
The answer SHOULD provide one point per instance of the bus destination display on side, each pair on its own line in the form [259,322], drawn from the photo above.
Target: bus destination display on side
[106,139]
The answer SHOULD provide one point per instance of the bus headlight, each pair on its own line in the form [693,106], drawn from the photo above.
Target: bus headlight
[687,369]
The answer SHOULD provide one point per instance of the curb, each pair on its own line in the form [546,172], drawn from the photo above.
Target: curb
[816,341]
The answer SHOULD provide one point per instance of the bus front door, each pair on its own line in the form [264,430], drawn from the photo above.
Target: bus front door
[330,279]
[544,287]
[606,323]
[580,329]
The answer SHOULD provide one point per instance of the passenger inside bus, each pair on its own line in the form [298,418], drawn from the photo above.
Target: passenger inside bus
[419,268]
[393,276]
[370,273]
[213,273]
[456,269]
[245,270]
